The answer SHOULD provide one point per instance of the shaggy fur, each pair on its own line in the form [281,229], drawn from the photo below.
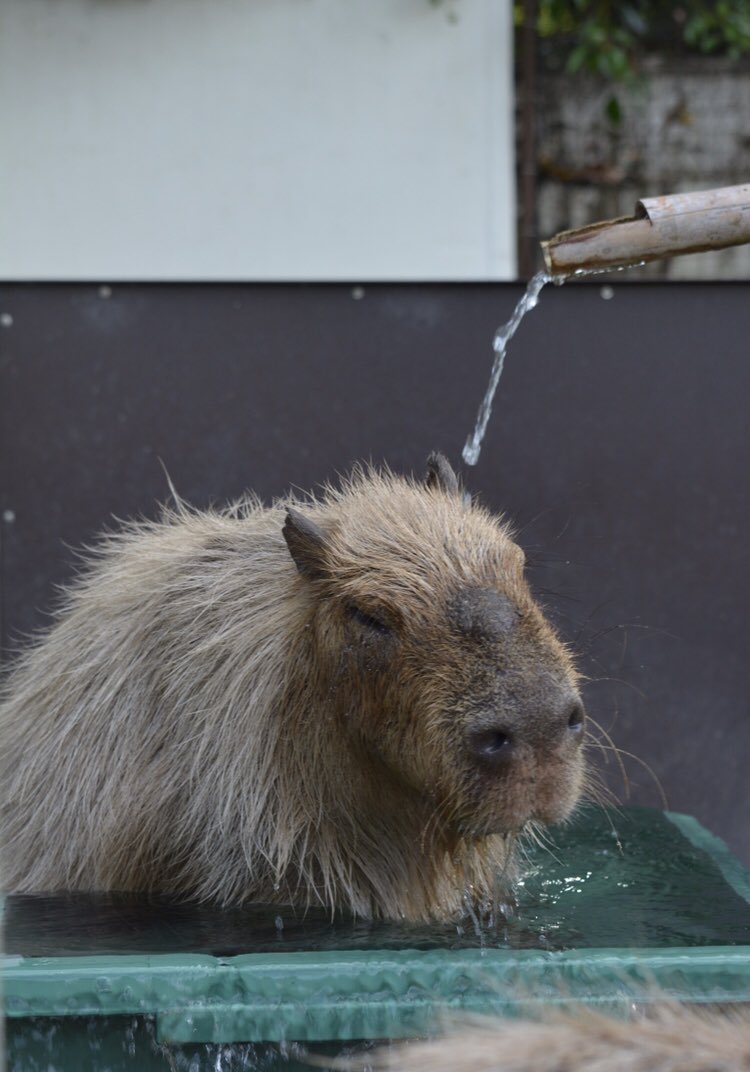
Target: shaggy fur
[224,713]
[671,1039]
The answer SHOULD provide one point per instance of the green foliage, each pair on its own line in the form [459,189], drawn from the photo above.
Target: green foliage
[607,37]
[724,26]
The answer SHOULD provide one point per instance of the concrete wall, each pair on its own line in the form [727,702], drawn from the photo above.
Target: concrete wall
[256,140]
[684,127]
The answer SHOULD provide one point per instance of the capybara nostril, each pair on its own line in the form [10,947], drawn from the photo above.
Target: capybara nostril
[562,718]
[493,745]
[576,719]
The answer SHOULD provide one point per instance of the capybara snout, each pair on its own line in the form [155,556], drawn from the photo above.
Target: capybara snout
[348,700]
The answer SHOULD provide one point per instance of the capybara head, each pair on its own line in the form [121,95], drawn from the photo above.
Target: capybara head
[429,642]
[349,700]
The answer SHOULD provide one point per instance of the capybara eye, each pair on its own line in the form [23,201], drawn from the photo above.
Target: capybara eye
[367,621]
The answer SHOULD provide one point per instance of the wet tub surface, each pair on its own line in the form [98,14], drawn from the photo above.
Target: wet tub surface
[621,904]
[631,878]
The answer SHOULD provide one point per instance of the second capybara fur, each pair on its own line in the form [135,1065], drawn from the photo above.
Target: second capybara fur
[349,700]
[666,1038]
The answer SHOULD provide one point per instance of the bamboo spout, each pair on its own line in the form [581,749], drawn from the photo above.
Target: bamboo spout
[661,227]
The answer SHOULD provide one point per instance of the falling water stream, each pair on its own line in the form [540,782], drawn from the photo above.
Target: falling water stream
[504,334]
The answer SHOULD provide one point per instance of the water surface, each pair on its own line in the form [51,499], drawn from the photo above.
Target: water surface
[623,879]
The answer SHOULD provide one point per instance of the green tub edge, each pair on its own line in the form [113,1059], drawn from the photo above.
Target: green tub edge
[731,868]
[355,995]
[349,995]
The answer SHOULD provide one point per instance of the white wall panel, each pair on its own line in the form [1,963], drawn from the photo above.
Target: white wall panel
[256,139]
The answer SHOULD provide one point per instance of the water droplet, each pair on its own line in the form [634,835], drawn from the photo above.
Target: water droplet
[6,320]
[607,293]
[105,291]
[9,516]
[358,293]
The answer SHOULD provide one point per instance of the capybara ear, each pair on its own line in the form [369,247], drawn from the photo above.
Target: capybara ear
[440,474]
[307,544]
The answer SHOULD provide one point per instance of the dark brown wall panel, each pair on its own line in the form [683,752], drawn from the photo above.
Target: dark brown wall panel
[619,443]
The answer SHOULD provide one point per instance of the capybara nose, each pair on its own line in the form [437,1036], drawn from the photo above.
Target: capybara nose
[492,745]
[557,724]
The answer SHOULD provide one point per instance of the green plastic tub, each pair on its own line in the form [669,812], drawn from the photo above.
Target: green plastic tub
[623,903]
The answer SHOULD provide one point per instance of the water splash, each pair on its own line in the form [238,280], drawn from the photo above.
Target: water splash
[503,335]
[490,914]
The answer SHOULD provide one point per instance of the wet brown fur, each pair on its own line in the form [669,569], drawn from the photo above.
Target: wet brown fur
[671,1038]
[208,718]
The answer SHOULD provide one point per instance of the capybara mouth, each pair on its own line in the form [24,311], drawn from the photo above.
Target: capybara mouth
[514,822]
[514,825]
[505,802]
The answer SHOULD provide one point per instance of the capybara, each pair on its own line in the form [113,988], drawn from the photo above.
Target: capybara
[670,1038]
[351,700]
